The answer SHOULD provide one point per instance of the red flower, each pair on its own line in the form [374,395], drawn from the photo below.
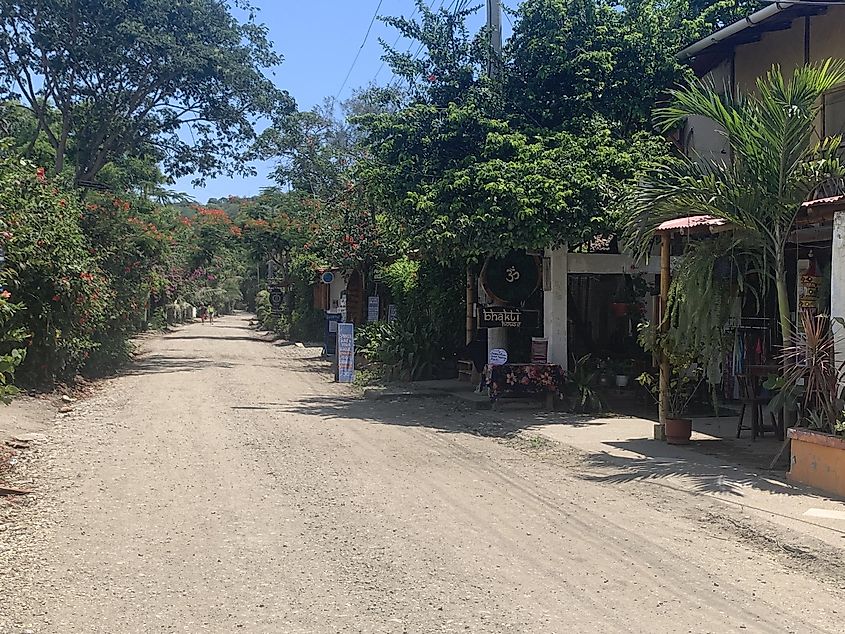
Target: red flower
[5,295]
[56,298]
[40,174]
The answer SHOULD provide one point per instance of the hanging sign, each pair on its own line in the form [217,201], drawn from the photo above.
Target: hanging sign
[277,298]
[345,353]
[506,317]
[372,308]
[809,285]
[511,279]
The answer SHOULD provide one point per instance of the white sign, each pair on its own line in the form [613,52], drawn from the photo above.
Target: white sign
[497,356]
[392,312]
[372,308]
[345,353]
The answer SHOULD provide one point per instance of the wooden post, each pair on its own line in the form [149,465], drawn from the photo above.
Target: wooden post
[665,370]
[470,324]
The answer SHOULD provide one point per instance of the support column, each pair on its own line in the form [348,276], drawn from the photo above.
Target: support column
[837,282]
[556,307]
[665,369]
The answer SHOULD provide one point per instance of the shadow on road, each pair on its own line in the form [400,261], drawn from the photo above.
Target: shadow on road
[171,364]
[724,478]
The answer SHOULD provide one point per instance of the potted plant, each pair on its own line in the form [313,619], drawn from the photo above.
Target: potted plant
[580,386]
[686,376]
[684,381]
[812,379]
[620,379]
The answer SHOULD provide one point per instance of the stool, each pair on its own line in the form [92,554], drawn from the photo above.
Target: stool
[749,396]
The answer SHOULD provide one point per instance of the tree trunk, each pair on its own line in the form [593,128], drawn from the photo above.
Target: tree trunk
[783,298]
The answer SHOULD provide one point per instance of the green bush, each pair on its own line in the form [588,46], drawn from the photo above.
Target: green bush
[65,295]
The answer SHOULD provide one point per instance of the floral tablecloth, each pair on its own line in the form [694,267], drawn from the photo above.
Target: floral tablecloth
[524,378]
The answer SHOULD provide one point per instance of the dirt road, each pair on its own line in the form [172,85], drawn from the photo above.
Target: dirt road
[227,485]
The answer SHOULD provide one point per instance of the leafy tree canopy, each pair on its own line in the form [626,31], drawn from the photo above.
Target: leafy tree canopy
[180,81]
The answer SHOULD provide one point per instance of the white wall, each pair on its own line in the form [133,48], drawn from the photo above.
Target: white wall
[555,310]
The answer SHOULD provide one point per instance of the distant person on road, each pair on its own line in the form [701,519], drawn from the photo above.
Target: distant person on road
[202,311]
[210,310]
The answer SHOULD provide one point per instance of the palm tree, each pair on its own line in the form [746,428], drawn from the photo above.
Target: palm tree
[777,162]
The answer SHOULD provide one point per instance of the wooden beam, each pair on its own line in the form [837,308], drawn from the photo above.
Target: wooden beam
[665,369]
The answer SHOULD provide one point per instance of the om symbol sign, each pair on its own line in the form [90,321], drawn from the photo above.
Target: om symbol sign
[512,275]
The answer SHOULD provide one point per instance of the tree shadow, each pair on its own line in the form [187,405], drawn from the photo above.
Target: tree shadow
[160,364]
[661,463]
[451,415]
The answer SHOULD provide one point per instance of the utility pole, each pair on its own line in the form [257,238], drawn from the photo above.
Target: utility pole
[496,337]
[494,26]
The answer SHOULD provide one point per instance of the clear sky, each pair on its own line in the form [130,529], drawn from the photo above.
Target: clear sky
[319,40]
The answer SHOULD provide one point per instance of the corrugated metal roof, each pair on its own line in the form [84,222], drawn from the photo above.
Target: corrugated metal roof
[690,222]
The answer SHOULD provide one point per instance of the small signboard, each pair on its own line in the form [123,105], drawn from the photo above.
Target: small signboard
[497,356]
[392,312]
[372,308]
[277,298]
[345,353]
[330,335]
[327,277]
[506,317]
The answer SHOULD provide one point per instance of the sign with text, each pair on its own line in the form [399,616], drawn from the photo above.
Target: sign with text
[277,298]
[345,353]
[392,312]
[372,308]
[497,356]
[330,335]
[506,317]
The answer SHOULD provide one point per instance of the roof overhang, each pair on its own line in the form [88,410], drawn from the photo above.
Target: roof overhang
[708,52]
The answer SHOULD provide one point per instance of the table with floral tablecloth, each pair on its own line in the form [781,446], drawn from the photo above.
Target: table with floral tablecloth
[524,378]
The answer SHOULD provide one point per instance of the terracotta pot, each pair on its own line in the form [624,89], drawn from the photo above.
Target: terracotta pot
[678,431]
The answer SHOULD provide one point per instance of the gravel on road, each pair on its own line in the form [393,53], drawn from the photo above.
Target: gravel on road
[226,484]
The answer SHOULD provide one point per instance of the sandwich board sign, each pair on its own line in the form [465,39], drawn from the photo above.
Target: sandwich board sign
[345,353]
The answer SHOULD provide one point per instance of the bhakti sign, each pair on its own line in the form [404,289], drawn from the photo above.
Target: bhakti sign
[504,317]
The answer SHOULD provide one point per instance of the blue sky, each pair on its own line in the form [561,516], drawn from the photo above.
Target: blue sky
[319,39]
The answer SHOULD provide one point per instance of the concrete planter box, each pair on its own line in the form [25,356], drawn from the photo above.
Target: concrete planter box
[818,460]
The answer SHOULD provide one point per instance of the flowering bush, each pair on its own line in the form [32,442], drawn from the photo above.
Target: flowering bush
[63,295]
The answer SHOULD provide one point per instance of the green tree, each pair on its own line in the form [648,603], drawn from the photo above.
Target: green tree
[180,81]
[778,162]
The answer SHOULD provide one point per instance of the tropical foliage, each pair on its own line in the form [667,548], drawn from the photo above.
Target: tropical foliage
[777,163]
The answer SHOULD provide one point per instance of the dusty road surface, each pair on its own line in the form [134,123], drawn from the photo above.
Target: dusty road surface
[226,485]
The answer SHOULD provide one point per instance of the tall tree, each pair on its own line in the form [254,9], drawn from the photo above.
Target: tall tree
[181,81]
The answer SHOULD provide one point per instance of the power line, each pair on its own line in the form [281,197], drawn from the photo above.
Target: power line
[396,41]
[360,48]
[422,44]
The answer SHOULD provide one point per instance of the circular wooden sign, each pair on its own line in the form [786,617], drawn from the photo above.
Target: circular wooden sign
[511,279]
